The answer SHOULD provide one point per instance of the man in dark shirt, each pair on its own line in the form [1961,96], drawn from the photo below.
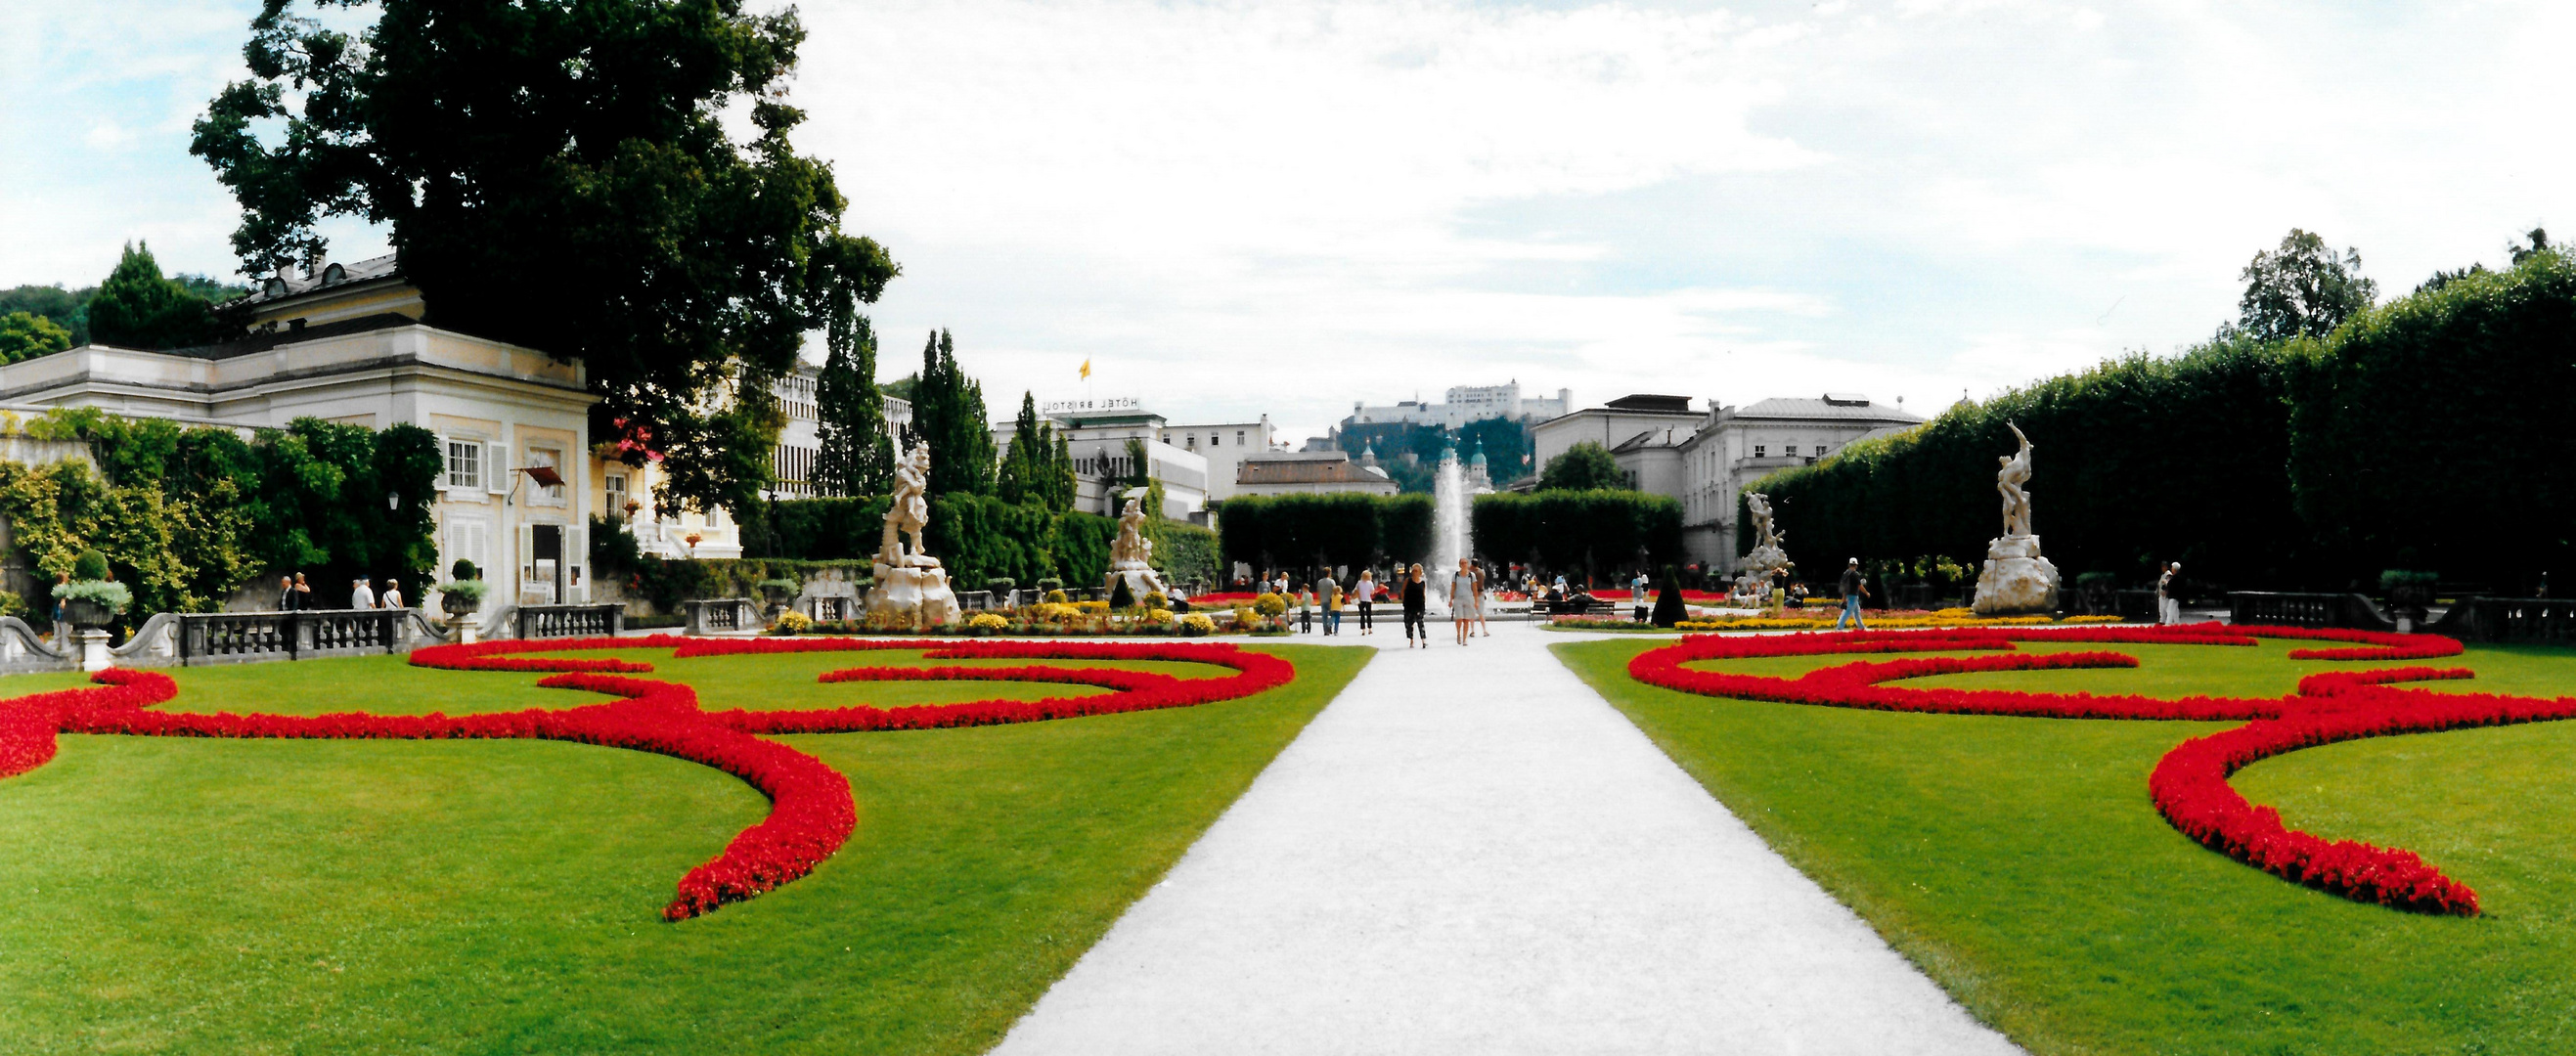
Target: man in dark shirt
[1854,589]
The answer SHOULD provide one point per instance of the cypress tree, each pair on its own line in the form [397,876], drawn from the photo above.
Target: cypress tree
[1025,464]
[137,308]
[856,457]
[948,412]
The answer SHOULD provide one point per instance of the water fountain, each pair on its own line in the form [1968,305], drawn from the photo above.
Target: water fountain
[1448,526]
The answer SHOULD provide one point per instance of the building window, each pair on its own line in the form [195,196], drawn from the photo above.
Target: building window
[551,458]
[1238,438]
[1760,450]
[465,464]
[614,484]
[1820,450]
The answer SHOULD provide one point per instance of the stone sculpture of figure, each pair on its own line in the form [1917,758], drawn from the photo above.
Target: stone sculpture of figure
[1131,546]
[1765,534]
[910,512]
[2009,481]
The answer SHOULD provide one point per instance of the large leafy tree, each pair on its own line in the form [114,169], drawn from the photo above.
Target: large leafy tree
[857,456]
[68,309]
[2302,289]
[139,308]
[948,413]
[559,174]
[1586,466]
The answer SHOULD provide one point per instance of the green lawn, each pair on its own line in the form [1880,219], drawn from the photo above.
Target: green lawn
[184,895]
[2019,862]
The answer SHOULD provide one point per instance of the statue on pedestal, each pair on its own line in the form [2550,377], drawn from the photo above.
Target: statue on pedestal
[1131,556]
[2016,579]
[1767,557]
[911,587]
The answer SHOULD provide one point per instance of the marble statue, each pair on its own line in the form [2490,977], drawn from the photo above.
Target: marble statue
[911,588]
[1131,556]
[1767,557]
[2016,579]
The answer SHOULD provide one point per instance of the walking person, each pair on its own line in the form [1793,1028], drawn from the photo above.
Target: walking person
[1329,591]
[62,632]
[1637,594]
[2169,596]
[1855,587]
[1306,609]
[303,594]
[1415,601]
[1481,627]
[362,595]
[1462,601]
[1366,592]
[392,597]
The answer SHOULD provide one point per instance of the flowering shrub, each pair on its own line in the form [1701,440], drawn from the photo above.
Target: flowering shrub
[987,622]
[792,622]
[1196,625]
[811,812]
[1270,605]
[2189,786]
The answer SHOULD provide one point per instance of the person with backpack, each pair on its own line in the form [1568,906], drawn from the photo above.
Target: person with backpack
[1855,587]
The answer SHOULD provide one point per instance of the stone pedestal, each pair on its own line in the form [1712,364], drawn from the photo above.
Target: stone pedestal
[465,628]
[915,594]
[1141,580]
[93,650]
[2016,581]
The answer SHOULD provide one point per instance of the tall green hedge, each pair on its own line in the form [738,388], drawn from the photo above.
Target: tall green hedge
[2433,432]
[2426,433]
[2137,461]
[1593,532]
[1300,531]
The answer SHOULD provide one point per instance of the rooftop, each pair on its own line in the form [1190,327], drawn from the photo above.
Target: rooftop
[1647,401]
[1835,406]
[1308,471]
[283,285]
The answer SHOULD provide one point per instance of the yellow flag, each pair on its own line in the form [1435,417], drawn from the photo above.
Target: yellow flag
[1086,368]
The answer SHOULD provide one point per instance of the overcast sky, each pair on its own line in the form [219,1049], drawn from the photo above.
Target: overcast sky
[1284,207]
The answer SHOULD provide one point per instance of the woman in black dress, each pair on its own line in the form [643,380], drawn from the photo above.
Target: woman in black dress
[1414,602]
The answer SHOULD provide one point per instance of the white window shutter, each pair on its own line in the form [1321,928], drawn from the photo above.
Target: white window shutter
[576,561]
[441,440]
[525,560]
[496,468]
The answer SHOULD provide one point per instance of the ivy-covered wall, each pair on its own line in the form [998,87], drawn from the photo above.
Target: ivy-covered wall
[186,516]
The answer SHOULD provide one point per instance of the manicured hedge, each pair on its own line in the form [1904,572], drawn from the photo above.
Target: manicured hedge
[1595,531]
[2425,433]
[2432,432]
[1300,531]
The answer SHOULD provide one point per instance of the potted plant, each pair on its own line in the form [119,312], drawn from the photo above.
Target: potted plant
[2408,593]
[91,599]
[1005,590]
[464,593]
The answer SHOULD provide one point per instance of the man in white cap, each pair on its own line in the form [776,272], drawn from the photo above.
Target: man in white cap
[1854,588]
[362,596]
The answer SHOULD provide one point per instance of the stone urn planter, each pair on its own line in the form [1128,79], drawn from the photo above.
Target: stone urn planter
[84,612]
[455,604]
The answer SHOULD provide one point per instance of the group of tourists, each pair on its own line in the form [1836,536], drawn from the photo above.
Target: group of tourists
[296,595]
[1465,592]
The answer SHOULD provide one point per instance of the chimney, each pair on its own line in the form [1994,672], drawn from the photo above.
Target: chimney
[313,263]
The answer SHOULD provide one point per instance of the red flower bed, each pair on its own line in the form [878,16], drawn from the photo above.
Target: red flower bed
[811,812]
[2189,786]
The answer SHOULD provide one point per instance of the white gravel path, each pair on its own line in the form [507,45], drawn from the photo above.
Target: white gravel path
[1471,852]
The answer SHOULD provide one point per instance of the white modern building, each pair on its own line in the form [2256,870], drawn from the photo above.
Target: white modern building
[1225,445]
[1096,432]
[1463,404]
[800,441]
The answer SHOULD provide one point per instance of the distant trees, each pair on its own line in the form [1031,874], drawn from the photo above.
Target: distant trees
[139,308]
[2302,289]
[68,309]
[1301,531]
[1587,466]
[857,455]
[1593,530]
[1038,466]
[25,335]
[948,413]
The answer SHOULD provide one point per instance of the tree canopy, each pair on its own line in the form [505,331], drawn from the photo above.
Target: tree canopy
[558,174]
[1586,466]
[1038,467]
[24,335]
[2302,289]
[139,308]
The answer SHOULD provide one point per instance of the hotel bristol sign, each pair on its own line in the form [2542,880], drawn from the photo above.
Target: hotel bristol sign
[1103,405]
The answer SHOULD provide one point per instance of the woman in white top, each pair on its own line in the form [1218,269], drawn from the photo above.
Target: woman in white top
[392,597]
[1366,593]
[1462,600]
